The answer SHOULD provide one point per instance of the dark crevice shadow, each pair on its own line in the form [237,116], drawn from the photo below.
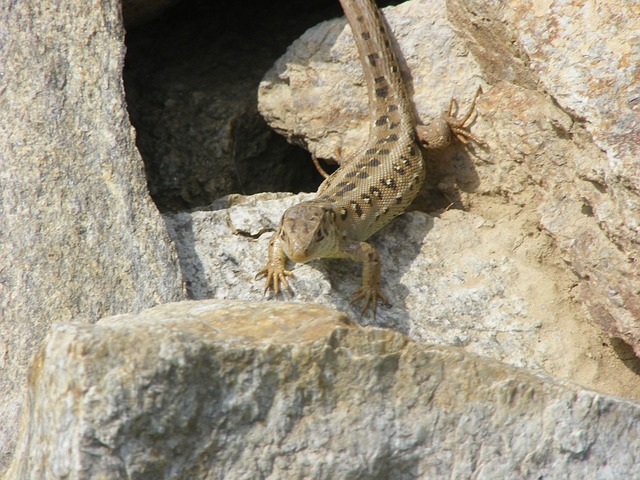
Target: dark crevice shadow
[180,230]
[626,354]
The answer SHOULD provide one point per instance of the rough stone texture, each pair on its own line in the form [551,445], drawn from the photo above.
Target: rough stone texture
[456,279]
[80,238]
[320,78]
[559,120]
[222,389]
[191,81]
[588,60]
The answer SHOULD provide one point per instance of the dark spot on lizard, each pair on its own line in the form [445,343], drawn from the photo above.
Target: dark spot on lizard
[373,58]
[389,183]
[398,169]
[384,151]
[392,107]
[330,212]
[375,191]
[373,162]
[393,125]
[379,79]
[382,120]
[366,198]
[371,151]
[356,208]
[351,174]
[362,174]
[382,92]
[366,35]
[343,213]
[346,187]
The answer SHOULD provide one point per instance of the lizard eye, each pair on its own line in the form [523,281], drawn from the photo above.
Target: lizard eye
[319,234]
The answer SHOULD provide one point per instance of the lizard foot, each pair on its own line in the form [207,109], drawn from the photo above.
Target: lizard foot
[438,133]
[457,124]
[275,276]
[370,294]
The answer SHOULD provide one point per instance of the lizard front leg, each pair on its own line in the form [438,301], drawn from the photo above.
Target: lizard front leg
[274,270]
[370,291]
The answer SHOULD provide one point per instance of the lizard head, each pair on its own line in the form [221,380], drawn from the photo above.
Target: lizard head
[307,231]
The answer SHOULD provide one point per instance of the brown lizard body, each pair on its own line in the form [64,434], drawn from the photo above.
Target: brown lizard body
[373,185]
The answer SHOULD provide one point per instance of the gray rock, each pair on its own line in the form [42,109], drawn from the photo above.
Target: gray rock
[590,198]
[455,279]
[80,238]
[558,121]
[222,389]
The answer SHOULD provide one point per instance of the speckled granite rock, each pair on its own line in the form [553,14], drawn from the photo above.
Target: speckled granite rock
[80,237]
[559,119]
[221,389]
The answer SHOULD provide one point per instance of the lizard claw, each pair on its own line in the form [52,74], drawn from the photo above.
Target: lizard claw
[457,125]
[438,133]
[275,277]
[370,295]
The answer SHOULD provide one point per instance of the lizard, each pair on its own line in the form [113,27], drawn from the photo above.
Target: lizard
[371,186]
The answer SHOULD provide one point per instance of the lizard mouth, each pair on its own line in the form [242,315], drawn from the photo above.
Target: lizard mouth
[299,256]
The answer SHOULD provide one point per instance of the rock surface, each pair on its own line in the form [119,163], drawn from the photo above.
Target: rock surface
[455,279]
[221,389]
[80,238]
[559,121]
[259,389]
[588,61]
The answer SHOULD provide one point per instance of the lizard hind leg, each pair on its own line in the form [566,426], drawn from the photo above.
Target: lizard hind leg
[439,132]
[338,158]
[457,125]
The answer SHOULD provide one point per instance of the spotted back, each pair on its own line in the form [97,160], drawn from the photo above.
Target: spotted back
[379,181]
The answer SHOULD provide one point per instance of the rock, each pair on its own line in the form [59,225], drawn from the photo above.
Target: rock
[80,237]
[589,66]
[455,279]
[558,77]
[222,389]
[323,64]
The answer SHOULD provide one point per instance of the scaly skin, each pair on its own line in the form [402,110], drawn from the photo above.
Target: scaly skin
[372,186]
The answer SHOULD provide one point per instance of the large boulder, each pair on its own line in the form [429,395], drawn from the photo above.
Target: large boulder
[455,279]
[80,238]
[223,389]
[557,118]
